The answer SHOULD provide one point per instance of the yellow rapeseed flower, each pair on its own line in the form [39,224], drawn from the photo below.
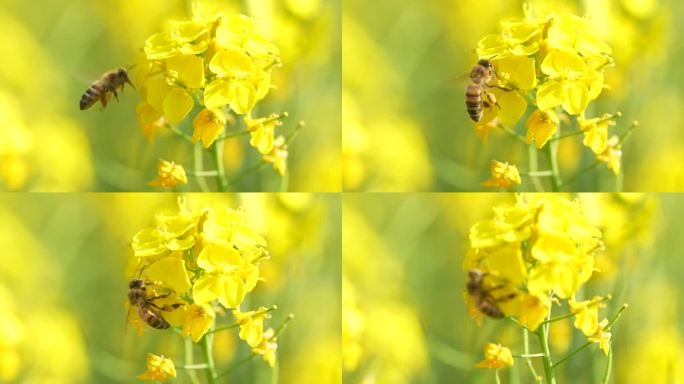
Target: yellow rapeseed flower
[251,325]
[208,126]
[504,175]
[169,175]
[586,314]
[158,369]
[278,155]
[215,61]
[602,336]
[267,348]
[596,131]
[612,155]
[198,321]
[262,131]
[541,125]
[496,356]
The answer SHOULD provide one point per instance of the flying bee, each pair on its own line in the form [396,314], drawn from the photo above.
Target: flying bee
[480,76]
[482,296]
[102,89]
[148,311]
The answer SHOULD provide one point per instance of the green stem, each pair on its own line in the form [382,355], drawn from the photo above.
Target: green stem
[248,171]
[537,174]
[236,365]
[571,354]
[558,318]
[542,334]
[207,342]
[230,135]
[496,376]
[609,366]
[563,136]
[192,367]
[199,167]
[179,133]
[231,326]
[190,362]
[527,356]
[579,173]
[202,173]
[533,167]
[552,157]
[513,133]
[526,351]
[588,343]
[217,154]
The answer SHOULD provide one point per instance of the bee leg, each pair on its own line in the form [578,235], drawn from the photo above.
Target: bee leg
[167,308]
[490,99]
[506,298]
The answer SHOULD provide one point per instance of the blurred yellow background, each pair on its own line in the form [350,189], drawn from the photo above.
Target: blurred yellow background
[404,316]
[62,287]
[55,49]
[405,123]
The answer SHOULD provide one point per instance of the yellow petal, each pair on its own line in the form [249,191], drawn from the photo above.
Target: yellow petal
[550,95]
[231,62]
[233,292]
[513,106]
[188,68]
[207,288]
[244,97]
[577,97]
[519,70]
[217,94]
[171,272]
[177,105]
[157,89]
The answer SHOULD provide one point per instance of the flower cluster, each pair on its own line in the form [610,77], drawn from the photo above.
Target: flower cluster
[220,68]
[535,250]
[496,356]
[504,175]
[192,260]
[557,64]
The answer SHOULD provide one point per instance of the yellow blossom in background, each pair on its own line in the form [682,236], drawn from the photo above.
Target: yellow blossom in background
[267,348]
[596,131]
[496,356]
[601,336]
[586,314]
[504,175]
[169,175]
[158,369]
[251,325]
[278,155]
[208,126]
[612,155]
[262,131]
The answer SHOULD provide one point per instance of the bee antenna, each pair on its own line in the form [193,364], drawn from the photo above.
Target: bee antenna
[141,271]
[129,67]
[492,58]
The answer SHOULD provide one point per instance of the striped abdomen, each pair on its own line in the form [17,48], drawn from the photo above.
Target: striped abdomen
[152,318]
[473,100]
[93,94]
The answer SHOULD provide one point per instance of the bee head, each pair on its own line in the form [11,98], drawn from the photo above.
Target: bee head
[486,63]
[136,283]
[475,274]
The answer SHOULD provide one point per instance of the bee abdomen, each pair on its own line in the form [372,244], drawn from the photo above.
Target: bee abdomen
[473,101]
[91,95]
[491,310]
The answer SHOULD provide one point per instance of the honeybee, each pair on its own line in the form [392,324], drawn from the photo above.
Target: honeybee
[480,76]
[148,311]
[102,89]
[482,297]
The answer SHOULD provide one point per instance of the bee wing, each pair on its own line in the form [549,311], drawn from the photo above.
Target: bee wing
[460,80]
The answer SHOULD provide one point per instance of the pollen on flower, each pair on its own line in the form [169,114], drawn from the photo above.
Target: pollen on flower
[496,356]
[278,155]
[169,175]
[159,368]
[504,175]
[612,155]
